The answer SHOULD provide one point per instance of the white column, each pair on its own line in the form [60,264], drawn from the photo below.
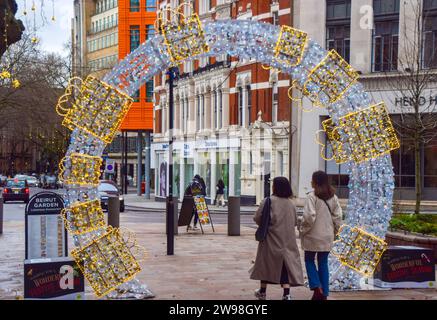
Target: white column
[213,156]
[177,119]
[213,109]
[207,99]
[191,114]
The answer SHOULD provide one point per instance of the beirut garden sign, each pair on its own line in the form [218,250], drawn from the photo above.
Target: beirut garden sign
[359,132]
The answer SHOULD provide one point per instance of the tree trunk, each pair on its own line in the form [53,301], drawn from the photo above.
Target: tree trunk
[418,173]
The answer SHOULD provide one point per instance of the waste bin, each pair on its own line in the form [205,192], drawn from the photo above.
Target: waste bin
[114,211]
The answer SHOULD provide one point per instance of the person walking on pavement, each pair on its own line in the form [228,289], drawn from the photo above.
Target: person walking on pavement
[277,259]
[196,187]
[220,194]
[322,219]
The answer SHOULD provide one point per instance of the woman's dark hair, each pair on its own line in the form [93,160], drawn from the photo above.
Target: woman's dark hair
[220,183]
[322,188]
[282,187]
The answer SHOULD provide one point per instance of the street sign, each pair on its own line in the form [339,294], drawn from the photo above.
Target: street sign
[110,166]
[46,236]
[57,279]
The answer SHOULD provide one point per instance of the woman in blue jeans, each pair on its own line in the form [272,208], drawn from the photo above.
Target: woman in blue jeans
[321,221]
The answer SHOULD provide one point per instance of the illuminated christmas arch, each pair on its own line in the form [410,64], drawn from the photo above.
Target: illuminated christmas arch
[359,132]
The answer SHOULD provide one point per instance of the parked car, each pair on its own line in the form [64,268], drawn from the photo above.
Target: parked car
[50,182]
[106,189]
[32,181]
[16,190]
[3,180]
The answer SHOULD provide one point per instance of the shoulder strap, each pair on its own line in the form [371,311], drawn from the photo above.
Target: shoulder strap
[329,208]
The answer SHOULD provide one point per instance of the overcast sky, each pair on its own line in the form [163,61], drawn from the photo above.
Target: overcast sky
[52,35]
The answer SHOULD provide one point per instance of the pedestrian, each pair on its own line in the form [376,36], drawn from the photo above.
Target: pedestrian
[322,218]
[194,189]
[220,194]
[278,259]
[202,183]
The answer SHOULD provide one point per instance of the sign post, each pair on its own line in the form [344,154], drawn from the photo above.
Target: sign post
[46,236]
[48,272]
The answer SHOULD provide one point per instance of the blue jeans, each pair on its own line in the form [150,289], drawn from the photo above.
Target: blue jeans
[318,278]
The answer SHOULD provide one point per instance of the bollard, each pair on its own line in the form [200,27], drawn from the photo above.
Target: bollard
[114,211]
[233,216]
[175,214]
[1,215]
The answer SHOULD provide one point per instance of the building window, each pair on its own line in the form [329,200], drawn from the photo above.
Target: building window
[250,163]
[385,35]
[249,105]
[136,96]
[134,5]
[240,106]
[150,31]
[275,102]
[429,50]
[150,5]
[403,159]
[149,91]
[134,37]
[338,21]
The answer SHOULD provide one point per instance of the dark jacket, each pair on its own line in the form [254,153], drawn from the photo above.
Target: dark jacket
[220,188]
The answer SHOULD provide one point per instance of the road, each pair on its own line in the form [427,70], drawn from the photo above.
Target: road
[14,211]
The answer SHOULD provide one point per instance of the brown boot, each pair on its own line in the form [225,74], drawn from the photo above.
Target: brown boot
[318,294]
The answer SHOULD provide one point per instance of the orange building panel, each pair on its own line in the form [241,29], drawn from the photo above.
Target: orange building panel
[140,116]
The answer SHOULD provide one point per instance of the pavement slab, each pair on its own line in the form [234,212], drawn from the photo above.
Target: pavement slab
[212,266]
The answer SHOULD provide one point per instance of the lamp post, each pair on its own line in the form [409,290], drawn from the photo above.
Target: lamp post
[172,74]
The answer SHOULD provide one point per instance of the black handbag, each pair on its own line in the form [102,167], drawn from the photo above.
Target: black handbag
[261,232]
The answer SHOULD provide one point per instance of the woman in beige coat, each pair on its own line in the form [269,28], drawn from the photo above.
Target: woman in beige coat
[278,259]
[321,222]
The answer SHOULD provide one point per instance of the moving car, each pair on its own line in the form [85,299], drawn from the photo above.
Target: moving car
[32,181]
[16,190]
[106,189]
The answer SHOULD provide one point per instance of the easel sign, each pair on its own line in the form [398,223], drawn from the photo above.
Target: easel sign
[203,212]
